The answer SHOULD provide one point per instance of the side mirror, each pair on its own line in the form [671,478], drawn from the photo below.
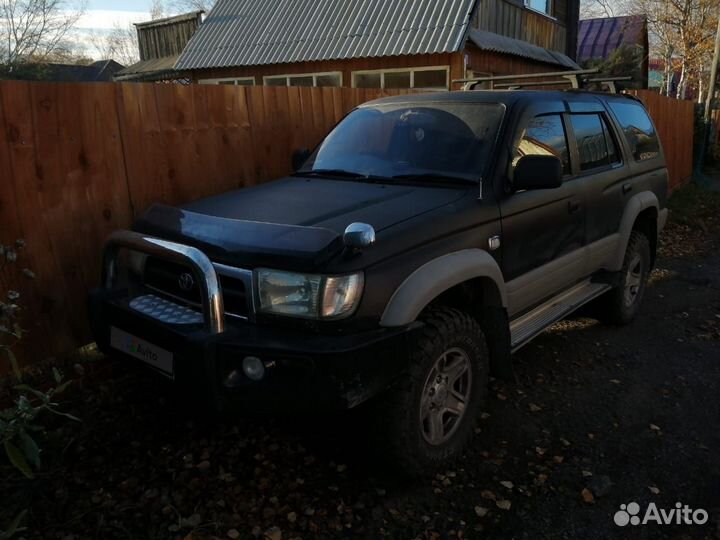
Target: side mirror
[537,172]
[299,158]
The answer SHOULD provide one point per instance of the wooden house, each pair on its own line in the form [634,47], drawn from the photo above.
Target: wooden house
[423,44]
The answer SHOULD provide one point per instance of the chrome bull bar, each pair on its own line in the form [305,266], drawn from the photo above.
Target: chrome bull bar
[210,291]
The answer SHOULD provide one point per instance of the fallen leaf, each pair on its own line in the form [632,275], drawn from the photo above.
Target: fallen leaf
[565,442]
[502,397]
[587,496]
[586,473]
[615,381]
[481,511]
[503,504]
[487,494]
[558,459]
[534,408]
[654,490]
[507,484]
[654,427]
[234,534]
[540,451]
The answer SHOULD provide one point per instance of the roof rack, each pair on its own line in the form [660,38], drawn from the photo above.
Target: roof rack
[577,79]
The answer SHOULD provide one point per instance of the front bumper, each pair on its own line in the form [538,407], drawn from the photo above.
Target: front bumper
[302,368]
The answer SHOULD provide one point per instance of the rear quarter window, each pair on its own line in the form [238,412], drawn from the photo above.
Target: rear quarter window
[638,129]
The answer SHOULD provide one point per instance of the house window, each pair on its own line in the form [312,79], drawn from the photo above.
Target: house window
[430,78]
[305,79]
[237,81]
[543,6]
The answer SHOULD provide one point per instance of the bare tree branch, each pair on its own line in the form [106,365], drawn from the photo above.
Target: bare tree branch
[31,30]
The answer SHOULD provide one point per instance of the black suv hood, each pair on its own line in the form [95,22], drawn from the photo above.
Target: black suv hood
[294,222]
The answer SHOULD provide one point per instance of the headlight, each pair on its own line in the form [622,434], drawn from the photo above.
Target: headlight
[311,296]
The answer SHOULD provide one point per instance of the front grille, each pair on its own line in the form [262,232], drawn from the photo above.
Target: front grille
[168,278]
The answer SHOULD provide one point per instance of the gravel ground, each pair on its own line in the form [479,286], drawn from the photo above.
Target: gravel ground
[598,417]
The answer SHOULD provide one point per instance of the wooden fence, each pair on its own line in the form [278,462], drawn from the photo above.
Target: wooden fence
[78,161]
[675,122]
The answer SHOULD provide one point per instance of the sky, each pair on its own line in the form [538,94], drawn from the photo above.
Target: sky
[103,14]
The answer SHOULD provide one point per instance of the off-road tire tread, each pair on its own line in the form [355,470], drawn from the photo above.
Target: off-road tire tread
[610,307]
[442,324]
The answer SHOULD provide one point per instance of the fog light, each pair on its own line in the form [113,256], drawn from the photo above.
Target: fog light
[253,368]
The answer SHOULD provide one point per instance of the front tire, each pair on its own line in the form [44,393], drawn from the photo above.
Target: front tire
[620,305]
[429,417]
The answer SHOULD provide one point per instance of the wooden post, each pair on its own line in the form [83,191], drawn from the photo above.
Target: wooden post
[713,77]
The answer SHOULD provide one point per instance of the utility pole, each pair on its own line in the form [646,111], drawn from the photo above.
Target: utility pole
[713,77]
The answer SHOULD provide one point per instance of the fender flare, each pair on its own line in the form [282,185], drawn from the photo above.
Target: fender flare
[437,276]
[636,204]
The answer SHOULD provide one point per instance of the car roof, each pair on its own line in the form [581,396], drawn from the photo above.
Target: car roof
[507,97]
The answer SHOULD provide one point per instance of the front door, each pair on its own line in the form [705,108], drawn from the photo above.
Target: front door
[543,230]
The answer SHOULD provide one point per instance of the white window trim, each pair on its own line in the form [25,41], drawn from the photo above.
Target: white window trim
[226,79]
[412,71]
[314,76]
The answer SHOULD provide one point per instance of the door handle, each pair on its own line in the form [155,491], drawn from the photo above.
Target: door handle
[573,206]
[627,188]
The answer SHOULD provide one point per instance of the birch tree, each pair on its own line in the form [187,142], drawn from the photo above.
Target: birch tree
[31,30]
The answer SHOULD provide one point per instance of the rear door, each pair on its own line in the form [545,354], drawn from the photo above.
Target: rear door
[601,173]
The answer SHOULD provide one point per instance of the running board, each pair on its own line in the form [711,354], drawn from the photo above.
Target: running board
[527,326]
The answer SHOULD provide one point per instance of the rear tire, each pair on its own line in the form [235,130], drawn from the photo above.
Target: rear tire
[621,304]
[428,418]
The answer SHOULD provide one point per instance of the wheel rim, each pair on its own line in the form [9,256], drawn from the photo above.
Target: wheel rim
[633,280]
[445,396]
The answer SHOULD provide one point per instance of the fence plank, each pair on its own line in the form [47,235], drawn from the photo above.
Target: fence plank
[674,120]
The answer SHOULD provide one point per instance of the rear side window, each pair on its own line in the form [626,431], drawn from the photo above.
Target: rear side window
[545,136]
[638,129]
[595,144]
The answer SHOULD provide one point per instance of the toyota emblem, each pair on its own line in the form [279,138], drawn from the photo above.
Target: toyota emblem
[186,281]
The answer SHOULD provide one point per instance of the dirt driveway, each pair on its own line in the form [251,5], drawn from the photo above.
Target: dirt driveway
[599,417]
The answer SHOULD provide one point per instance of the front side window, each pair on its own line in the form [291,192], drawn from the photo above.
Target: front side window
[545,136]
[406,140]
[638,129]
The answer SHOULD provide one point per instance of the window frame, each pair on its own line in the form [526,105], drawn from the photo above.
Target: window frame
[220,80]
[314,76]
[549,15]
[412,71]
[575,150]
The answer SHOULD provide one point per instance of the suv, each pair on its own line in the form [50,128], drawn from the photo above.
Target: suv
[421,243]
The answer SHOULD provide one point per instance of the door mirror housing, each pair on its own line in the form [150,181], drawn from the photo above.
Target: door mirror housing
[537,172]
[299,158]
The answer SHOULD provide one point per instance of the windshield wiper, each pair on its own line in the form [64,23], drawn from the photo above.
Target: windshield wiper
[438,177]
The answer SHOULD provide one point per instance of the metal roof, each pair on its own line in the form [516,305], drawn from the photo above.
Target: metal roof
[597,38]
[153,69]
[257,32]
[489,41]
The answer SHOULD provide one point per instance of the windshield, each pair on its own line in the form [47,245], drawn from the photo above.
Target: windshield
[430,140]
